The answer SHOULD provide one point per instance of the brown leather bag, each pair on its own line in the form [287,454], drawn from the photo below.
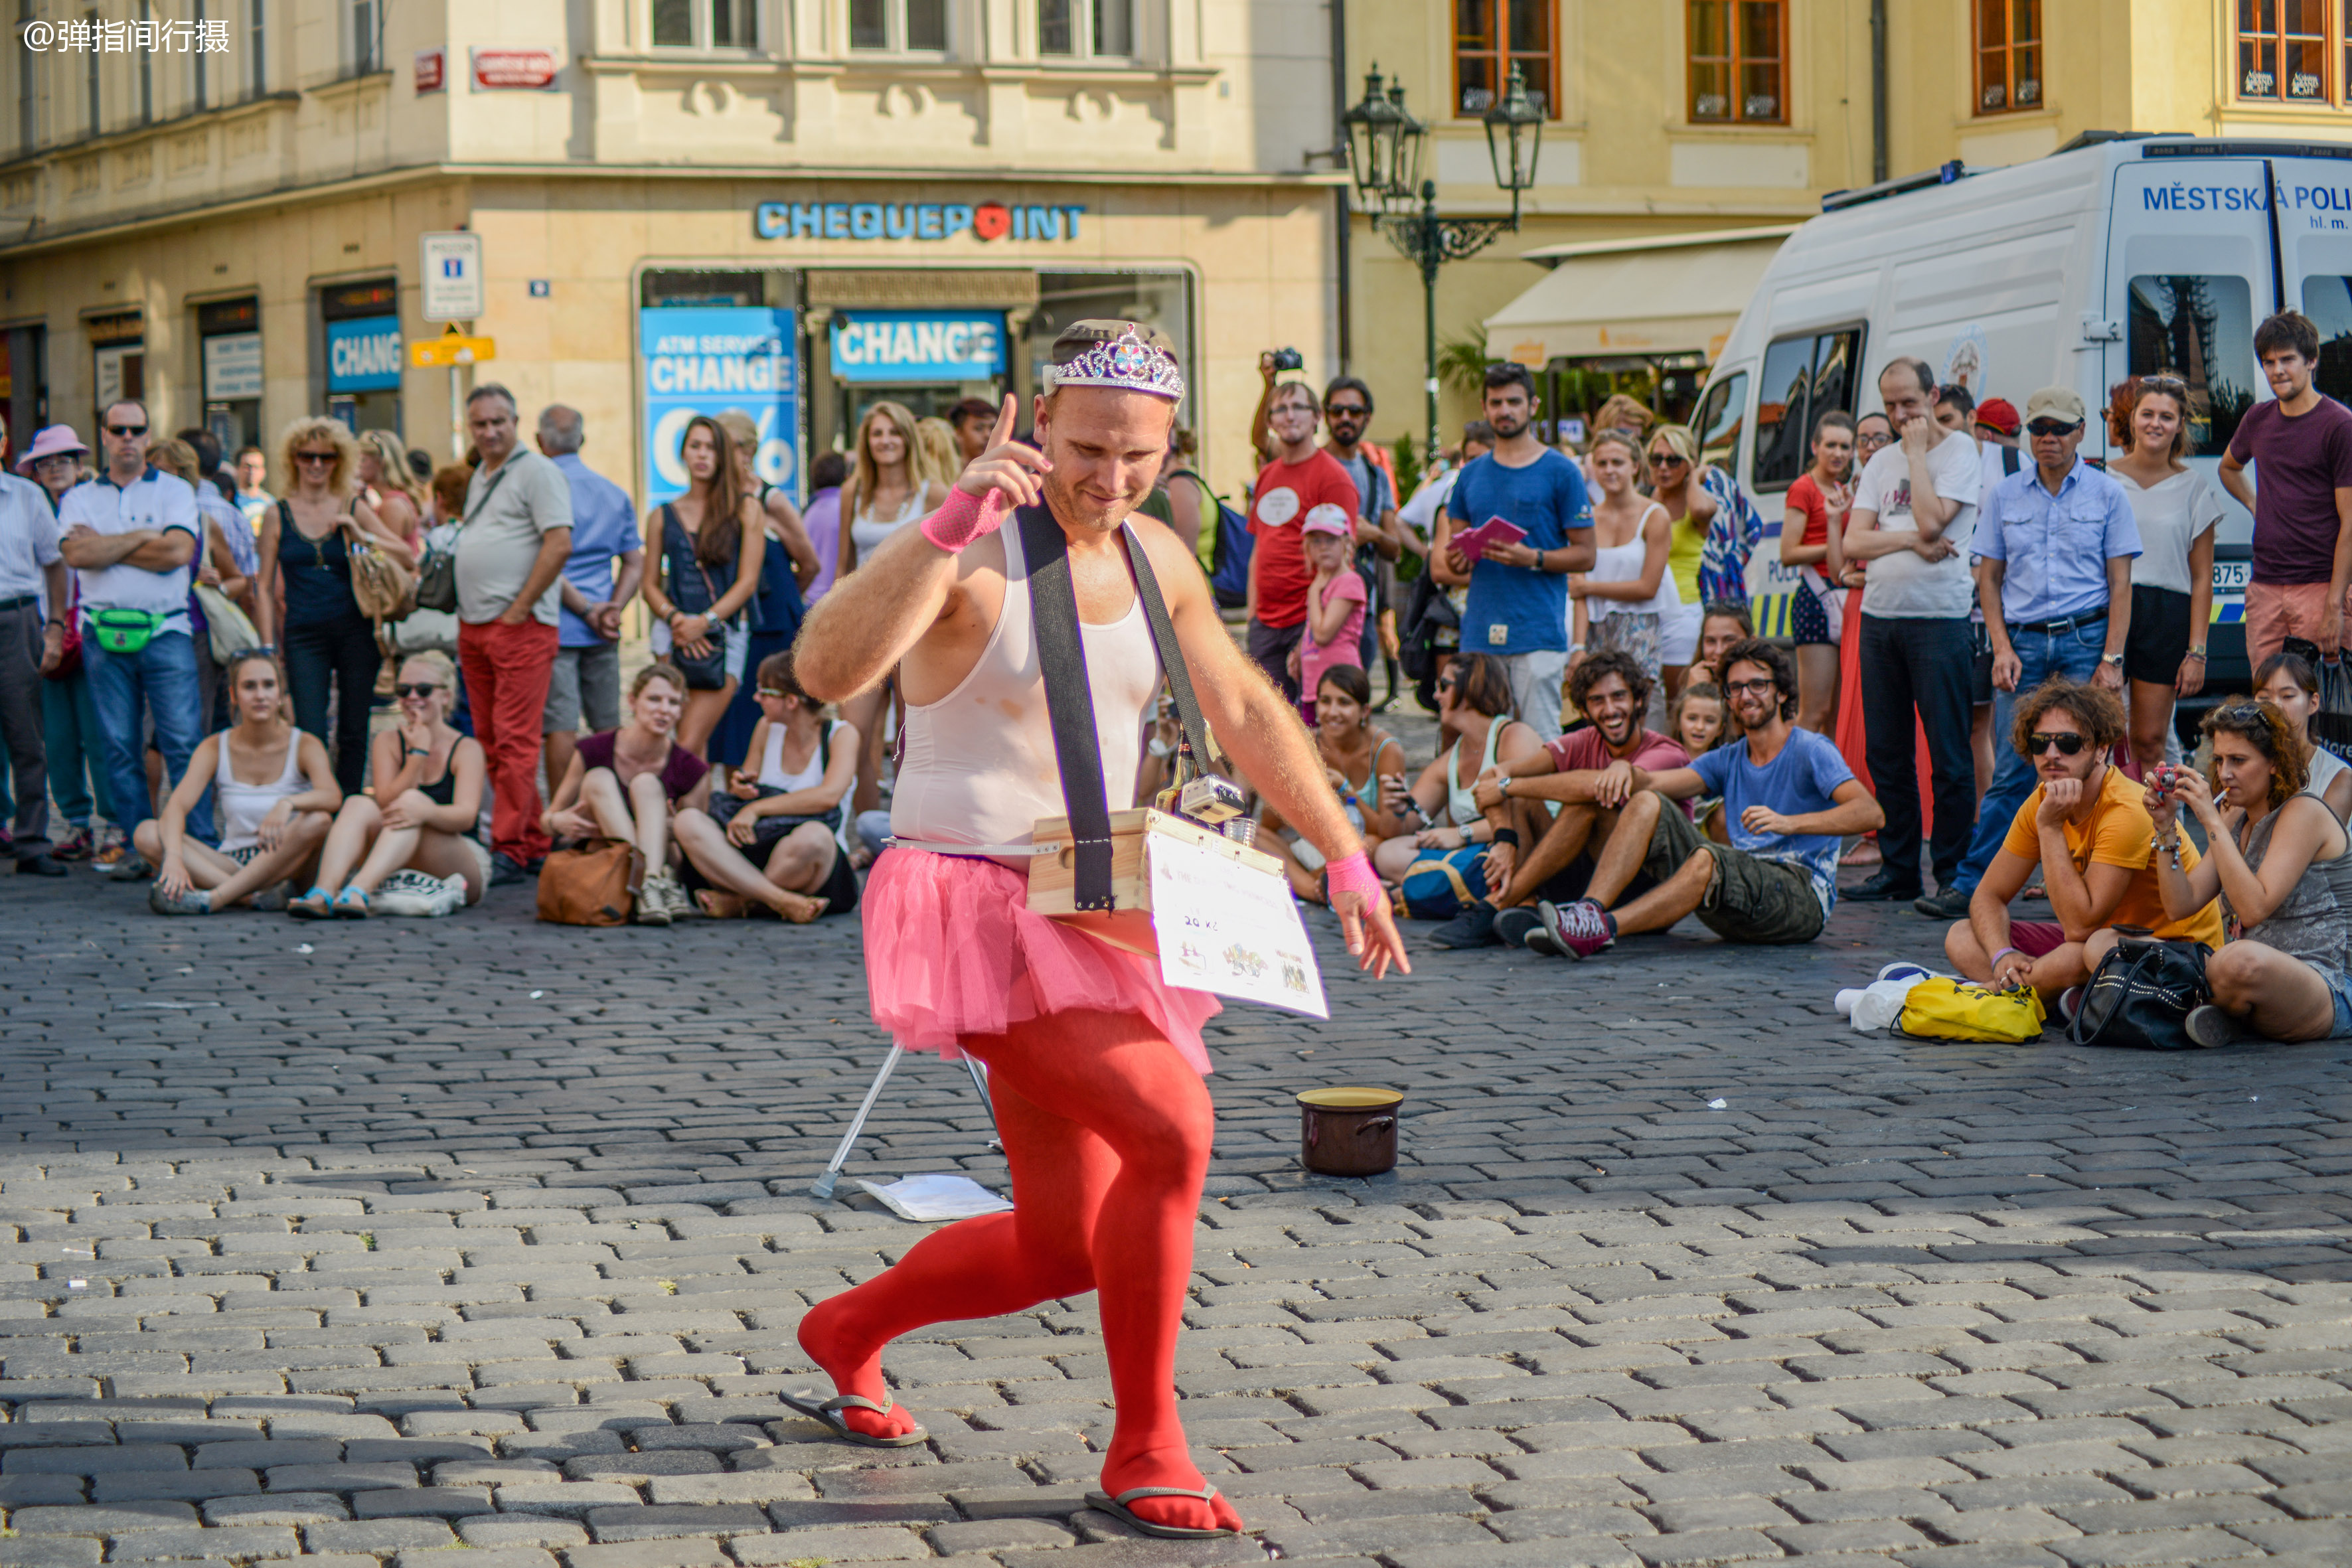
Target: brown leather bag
[594,885]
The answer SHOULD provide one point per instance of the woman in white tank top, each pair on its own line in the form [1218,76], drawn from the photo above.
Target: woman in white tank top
[890,486]
[798,865]
[1623,602]
[275,794]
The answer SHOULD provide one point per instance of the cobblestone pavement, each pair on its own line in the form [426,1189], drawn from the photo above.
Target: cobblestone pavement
[361,1241]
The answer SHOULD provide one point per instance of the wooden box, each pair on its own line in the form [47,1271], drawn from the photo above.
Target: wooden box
[1053,877]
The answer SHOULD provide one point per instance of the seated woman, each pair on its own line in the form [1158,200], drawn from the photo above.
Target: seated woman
[432,777]
[2281,865]
[1442,835]
[629,784]
[271,830]
[2289,682]
[1366,767]
[784,806]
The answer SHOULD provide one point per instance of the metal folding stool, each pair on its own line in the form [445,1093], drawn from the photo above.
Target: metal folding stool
[822,1187]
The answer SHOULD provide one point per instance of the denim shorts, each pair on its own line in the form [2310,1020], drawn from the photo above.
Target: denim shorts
[2339,988]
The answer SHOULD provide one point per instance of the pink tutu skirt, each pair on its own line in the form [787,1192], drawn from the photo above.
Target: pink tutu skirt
[951,949]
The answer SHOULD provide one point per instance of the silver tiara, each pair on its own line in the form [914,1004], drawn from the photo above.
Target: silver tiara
[1126,361]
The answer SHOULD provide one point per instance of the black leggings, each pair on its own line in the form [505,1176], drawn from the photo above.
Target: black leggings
[342,653]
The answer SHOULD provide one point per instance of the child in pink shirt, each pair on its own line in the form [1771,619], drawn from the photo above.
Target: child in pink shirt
[1334,604]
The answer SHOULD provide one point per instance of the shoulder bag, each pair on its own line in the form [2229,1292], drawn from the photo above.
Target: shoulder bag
[383,586]
[704,672]
[594,884]
[2141,994]
[231,631]
[436,575]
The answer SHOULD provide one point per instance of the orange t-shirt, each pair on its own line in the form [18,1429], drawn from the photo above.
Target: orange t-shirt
[2121,833]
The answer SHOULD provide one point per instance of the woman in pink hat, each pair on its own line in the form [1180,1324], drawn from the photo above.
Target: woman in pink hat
[55,461]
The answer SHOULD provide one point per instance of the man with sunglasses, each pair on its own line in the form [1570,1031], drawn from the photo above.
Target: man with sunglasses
[2086,829]
[2300,444]
[2052,558]
[133,536]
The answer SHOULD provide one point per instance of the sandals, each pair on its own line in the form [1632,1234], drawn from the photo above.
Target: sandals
[826,1412]
[351,904]
[1103,1503]
[318,904]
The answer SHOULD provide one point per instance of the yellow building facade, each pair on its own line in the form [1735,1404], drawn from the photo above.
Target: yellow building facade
[1672,126]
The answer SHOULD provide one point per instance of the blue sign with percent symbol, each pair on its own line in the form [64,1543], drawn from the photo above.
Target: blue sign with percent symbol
[707,359]
[905,346]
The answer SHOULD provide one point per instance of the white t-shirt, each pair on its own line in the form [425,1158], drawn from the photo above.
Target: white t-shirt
[1902,586]
[2173,514]
[155,499]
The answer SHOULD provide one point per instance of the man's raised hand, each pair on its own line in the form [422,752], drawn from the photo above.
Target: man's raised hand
[1006,475]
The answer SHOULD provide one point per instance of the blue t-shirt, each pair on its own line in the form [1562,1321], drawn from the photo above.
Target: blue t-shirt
[1518,609]
[604,525]
[1801,779]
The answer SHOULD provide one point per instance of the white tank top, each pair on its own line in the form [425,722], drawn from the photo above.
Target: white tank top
[772,765]
[1623,563]
[867,531]
[979,766]
[241,805]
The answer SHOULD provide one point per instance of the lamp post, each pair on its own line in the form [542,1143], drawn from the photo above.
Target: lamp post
[1384,147]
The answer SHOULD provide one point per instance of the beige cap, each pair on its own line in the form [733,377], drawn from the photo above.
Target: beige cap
[2054,403]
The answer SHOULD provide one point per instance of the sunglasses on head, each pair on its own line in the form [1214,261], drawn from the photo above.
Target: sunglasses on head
[2068,743]
[2053,426]
[420,688]
[2241,713]
[126,431]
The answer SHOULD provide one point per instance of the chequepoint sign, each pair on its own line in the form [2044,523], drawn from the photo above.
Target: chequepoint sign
[914,220]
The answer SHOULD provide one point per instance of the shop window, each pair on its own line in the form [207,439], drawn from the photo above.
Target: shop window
[2199,328]
[1097,28]
[708,24]
[1490,36]
[1804,377]
[2282,50]
[1739,62]
[2008,55]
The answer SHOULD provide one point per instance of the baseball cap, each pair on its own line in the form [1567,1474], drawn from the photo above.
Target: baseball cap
[2054,403]
[1999,414]
[1325,519]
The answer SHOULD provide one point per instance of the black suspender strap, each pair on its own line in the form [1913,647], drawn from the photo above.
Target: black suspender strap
[1069,704]
[1171,657]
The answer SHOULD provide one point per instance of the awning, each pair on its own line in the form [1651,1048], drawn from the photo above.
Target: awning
[1675,293]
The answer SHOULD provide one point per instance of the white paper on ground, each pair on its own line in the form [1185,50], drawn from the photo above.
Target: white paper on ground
[936,1197]
[1227,929]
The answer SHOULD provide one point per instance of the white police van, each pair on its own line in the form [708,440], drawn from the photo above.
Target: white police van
[2116,255]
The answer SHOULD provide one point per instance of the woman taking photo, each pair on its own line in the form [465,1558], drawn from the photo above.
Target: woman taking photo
[627,784]
[1674,466]
[788,564]
[710,546]
[890,486]
[2172,576]
[1811,542]
[274,797]
[432,777]
[1624,602]
[304,600]
[1444,840]
[2281,864]
[2289,682]
[774,837]
[1365,765]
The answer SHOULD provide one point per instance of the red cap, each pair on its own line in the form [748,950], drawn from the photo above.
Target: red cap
[1996,414]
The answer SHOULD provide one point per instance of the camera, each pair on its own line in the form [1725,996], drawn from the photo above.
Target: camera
[2165,775]
[1211,801]
[1289,359]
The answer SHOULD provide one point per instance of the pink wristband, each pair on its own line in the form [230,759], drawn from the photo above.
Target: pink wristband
[1354,874]
[963,518]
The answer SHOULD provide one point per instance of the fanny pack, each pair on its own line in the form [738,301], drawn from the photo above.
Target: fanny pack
[125,631]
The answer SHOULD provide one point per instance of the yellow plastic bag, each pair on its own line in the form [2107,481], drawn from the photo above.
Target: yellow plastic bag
[1941,1008]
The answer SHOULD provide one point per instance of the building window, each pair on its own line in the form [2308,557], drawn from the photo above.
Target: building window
[367,40]
[2008,55]
[90,77]
[707,23]
[1099,27]
[2282,50]
[28,119]
[257,55]
[1490,36]
[146,66]
[1739,62]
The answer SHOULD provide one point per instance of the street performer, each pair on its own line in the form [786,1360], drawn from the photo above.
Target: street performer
[1094,1063]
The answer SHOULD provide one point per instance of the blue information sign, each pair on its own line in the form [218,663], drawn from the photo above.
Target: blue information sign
[902,346]
[364,356]
[708,359]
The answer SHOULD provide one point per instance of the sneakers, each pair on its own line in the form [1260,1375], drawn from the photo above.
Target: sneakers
[2070,1002]
[661,900]
[1577,930]
[1944,904]
[76,845]
[42,865]
[1474,927]
[188,901]
[1512,926]
[1881,888]
[416,895]
[107,847]
[131,867]
[273,898]
[2213,1028]
[505,871]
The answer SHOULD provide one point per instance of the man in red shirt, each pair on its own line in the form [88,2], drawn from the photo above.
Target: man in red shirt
[1565,798]
[1301,478]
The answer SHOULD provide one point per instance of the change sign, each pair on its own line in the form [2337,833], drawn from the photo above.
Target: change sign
[708,360]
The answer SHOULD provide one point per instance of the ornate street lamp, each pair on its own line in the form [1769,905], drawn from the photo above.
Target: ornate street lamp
[1384,146]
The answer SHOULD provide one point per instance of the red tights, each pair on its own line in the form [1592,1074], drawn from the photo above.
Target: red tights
[1108,1130]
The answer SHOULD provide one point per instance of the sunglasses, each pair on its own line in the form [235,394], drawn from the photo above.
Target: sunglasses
[422,689]
[2053,426]
[1448,684]
[2068,743]
[771,691]
[2242,713]
[1668,460]
[126,431]
[1345,410]
[314,457]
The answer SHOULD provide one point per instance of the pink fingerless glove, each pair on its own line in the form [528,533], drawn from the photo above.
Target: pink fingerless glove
[1354,874]
[964,517]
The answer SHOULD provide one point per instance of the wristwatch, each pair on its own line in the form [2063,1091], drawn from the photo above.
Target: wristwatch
[2114,658]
